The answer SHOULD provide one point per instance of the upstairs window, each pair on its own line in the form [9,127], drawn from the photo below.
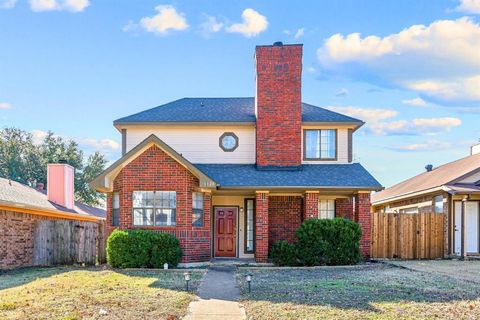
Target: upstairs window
[154,208]
[320,144]
[197,206]
[326,209]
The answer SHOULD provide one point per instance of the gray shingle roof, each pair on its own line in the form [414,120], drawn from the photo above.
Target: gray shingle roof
[15,193]
[326,175]
[222,110]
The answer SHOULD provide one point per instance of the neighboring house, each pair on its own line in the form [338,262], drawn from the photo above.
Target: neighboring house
[22,207]
[452,189]
[230,176]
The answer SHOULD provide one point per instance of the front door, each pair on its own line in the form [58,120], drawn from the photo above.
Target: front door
[225,231]
[471,232]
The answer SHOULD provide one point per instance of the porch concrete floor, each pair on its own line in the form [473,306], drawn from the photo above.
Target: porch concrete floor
[218,295]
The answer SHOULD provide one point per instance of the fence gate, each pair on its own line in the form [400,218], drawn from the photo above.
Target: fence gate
[408,236]
[67,242]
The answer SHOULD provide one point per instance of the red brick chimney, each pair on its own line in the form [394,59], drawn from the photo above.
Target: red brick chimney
[278,105]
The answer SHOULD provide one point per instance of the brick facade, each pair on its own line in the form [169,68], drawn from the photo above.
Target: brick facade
[279,105]
[363,217]
[310,208]
[154,170]
[284,218]
[261,226]
[17,231]
[344,208]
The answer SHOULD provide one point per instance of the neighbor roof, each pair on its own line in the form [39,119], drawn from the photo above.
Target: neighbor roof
[16,195]
[223,110]
[340,176]
[440,176]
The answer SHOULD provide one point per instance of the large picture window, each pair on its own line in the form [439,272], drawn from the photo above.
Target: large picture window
[326,209]
[197,206]
[320,144]
[154,208]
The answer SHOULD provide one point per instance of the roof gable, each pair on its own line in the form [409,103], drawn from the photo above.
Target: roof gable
[226,110]
[104,182]
[445,174]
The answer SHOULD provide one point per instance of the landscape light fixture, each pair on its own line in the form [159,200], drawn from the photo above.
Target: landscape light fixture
[187,279]
[165,266]
[248,277]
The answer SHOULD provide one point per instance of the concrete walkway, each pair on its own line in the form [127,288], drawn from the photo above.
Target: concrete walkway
[218,295]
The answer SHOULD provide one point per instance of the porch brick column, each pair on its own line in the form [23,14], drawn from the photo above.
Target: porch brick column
[261,226]
[363,217]
[310,205]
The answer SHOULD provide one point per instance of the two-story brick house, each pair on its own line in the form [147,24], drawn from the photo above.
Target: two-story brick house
[230,176]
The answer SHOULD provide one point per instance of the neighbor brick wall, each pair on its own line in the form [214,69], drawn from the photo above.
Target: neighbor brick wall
[284,218]
[279,109]
[261,226]
[154,170]
[17,231]
[363,217]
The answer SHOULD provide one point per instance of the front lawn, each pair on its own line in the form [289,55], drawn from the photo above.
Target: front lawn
[374,291]
[94,293]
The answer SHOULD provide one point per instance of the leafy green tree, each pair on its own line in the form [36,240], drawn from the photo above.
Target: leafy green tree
[24,161]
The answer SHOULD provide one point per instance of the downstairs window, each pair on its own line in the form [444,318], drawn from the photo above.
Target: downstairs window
[326,209]
[154,208]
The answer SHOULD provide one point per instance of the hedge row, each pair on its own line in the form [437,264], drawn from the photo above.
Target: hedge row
[142,249]
[321,242]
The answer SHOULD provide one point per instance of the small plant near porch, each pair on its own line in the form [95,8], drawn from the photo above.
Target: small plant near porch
[321,242]
[142,249]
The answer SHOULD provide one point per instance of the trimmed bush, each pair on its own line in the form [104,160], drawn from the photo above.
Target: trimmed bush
[328,242]
[284,253]
[142,249]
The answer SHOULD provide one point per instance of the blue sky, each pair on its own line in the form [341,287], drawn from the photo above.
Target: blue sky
[411,69]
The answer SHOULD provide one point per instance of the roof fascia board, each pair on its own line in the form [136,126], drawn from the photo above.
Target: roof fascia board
[19,207]
[409,195]
[310,188]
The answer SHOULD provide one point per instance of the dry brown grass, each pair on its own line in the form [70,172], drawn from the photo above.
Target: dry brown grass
[94,293]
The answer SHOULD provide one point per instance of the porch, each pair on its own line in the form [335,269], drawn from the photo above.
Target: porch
[245,224]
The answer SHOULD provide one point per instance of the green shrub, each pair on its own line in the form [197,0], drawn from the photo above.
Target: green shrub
[328,242]
[283,253]
[142,249]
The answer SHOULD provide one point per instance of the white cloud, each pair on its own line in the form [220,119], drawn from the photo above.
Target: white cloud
[167,19]
[59,5]
[469,6]
[5,105]
[102,145]
[7,4]
[419,102]
[439,61]
[300,32]
[433,145]
[253,23]
[311,70]
[342,92]
[379,122]
[369,115]
[210,25]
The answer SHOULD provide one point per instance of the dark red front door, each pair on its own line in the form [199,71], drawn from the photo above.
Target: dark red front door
[225,232]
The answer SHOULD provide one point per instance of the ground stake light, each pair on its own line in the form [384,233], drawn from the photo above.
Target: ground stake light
[248,277]
[187,279]
[165,266]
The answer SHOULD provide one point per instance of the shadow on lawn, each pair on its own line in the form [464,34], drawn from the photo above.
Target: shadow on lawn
[357,287]
[18,277]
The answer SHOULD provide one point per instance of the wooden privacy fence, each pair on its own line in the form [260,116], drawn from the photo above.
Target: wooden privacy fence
[408,236]
[68,242]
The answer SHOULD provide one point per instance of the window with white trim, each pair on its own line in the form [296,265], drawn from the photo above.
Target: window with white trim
[197,208]
[320,144]
[115,209]
[154,208]
[326,208]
